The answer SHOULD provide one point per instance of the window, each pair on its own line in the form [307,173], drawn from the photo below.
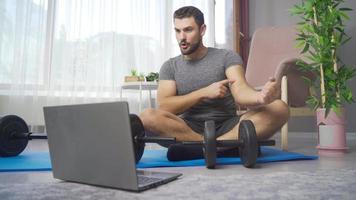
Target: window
[22,41]
[57,47]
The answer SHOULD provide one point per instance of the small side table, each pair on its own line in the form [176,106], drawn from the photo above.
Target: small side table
[140,86]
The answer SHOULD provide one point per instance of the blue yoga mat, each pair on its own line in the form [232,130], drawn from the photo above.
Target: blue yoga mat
[40,161]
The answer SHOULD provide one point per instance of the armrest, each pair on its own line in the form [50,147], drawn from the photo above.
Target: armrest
[298,90]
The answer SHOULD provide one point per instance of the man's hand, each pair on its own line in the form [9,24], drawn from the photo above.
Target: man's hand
[270,92]
[217,89]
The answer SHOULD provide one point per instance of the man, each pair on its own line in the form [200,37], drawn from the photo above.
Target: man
[208,84]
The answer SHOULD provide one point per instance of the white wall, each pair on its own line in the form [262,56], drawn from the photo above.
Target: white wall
[275,13]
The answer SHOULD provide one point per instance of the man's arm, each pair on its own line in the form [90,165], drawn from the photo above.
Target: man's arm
[246,95]
[169,101]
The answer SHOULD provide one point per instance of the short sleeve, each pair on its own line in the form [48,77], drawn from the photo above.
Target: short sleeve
[232,58]
[166,72]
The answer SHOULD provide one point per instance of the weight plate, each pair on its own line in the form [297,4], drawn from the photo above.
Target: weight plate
[249,149]
[9,126]
[137,131]
[209,146]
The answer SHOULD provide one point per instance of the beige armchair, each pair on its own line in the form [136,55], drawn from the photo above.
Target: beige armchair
[273,54]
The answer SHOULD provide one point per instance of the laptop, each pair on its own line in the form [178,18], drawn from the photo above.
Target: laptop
[92,144]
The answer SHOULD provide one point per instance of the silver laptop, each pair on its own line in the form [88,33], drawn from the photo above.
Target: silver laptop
[92,144]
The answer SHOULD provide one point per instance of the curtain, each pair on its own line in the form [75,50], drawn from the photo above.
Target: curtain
[57,52]
[22,62]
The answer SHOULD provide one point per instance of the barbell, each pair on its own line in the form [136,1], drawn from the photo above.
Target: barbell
[14,137]
[12,128]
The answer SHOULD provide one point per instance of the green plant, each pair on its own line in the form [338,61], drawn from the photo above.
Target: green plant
[134,72]
[321,32]
[152,76]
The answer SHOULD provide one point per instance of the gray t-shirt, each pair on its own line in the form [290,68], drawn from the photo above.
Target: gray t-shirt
[196,74]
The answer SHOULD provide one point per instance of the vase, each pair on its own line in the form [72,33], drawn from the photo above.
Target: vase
[331,133]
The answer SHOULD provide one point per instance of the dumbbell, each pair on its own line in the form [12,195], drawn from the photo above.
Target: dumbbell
[246,143]
[14,135]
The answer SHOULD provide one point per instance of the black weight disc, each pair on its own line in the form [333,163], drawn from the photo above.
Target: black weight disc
[210,145]
[138,131]
[249,149]
[9,145]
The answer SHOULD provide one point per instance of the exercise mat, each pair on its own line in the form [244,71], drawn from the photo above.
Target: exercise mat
[157,158]
[40,161]
[26,161]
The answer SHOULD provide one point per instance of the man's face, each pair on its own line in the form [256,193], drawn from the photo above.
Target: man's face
[188,34]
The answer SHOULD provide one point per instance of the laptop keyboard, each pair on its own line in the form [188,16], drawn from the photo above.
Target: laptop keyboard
[144,180]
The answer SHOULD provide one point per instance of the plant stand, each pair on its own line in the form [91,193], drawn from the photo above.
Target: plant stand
[331,133]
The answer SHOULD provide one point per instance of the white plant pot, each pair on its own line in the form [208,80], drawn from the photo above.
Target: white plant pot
[331,133]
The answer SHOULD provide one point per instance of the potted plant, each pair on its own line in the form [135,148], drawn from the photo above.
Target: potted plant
[134,76]
[152,76]
[321,32]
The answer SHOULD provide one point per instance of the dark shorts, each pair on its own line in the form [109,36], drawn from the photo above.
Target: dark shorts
[221,127]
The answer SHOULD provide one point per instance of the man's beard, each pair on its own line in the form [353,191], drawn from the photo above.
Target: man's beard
[192,47]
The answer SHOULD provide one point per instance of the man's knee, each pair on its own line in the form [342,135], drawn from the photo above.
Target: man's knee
[149,116]
[281,110]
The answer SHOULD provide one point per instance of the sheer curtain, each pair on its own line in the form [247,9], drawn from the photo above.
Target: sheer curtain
[22,62]
[78,51]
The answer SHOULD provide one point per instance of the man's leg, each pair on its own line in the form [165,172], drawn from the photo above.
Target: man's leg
[166,124]
[267,120]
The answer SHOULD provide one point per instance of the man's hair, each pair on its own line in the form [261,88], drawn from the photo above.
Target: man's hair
[190,11]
